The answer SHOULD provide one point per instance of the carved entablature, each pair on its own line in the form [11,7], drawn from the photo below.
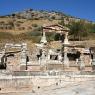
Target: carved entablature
[56,28]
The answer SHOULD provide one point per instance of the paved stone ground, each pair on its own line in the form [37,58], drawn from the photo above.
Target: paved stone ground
[80,88]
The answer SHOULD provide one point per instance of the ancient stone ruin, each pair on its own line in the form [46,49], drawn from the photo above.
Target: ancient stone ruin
[61,55]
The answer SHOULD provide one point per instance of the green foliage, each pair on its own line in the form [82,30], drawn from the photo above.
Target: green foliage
[34,25]
[50,36]
[78,30]
[62,22]
[36,36]
[92,30]
[57,37]
[35,33]
[38,29]
[53,17]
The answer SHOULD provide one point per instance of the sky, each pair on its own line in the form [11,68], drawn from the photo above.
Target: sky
[79,8]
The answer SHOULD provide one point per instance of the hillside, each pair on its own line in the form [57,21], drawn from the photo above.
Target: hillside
[26,26]
[28,20]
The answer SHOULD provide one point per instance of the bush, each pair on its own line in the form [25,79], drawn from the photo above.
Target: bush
[57,37]
[35,33]
[34,25]
[50,36]
[53,17]
[39,29]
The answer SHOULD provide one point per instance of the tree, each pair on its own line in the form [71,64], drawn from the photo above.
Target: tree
[78,30]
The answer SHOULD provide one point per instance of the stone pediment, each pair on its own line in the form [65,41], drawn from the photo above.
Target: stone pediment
[56,27]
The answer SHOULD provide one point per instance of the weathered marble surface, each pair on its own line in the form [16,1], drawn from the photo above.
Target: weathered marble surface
[77,88]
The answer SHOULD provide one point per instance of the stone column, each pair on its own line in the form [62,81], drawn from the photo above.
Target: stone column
[23,60]
[43,39]
[93,62]
[43,58]
[39,60]
[81,62]
[66,43]
[48,57]
[66,60]
[60,58]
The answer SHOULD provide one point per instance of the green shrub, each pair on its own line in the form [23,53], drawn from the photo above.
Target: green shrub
[50,36]
[34,25]
[35,33]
